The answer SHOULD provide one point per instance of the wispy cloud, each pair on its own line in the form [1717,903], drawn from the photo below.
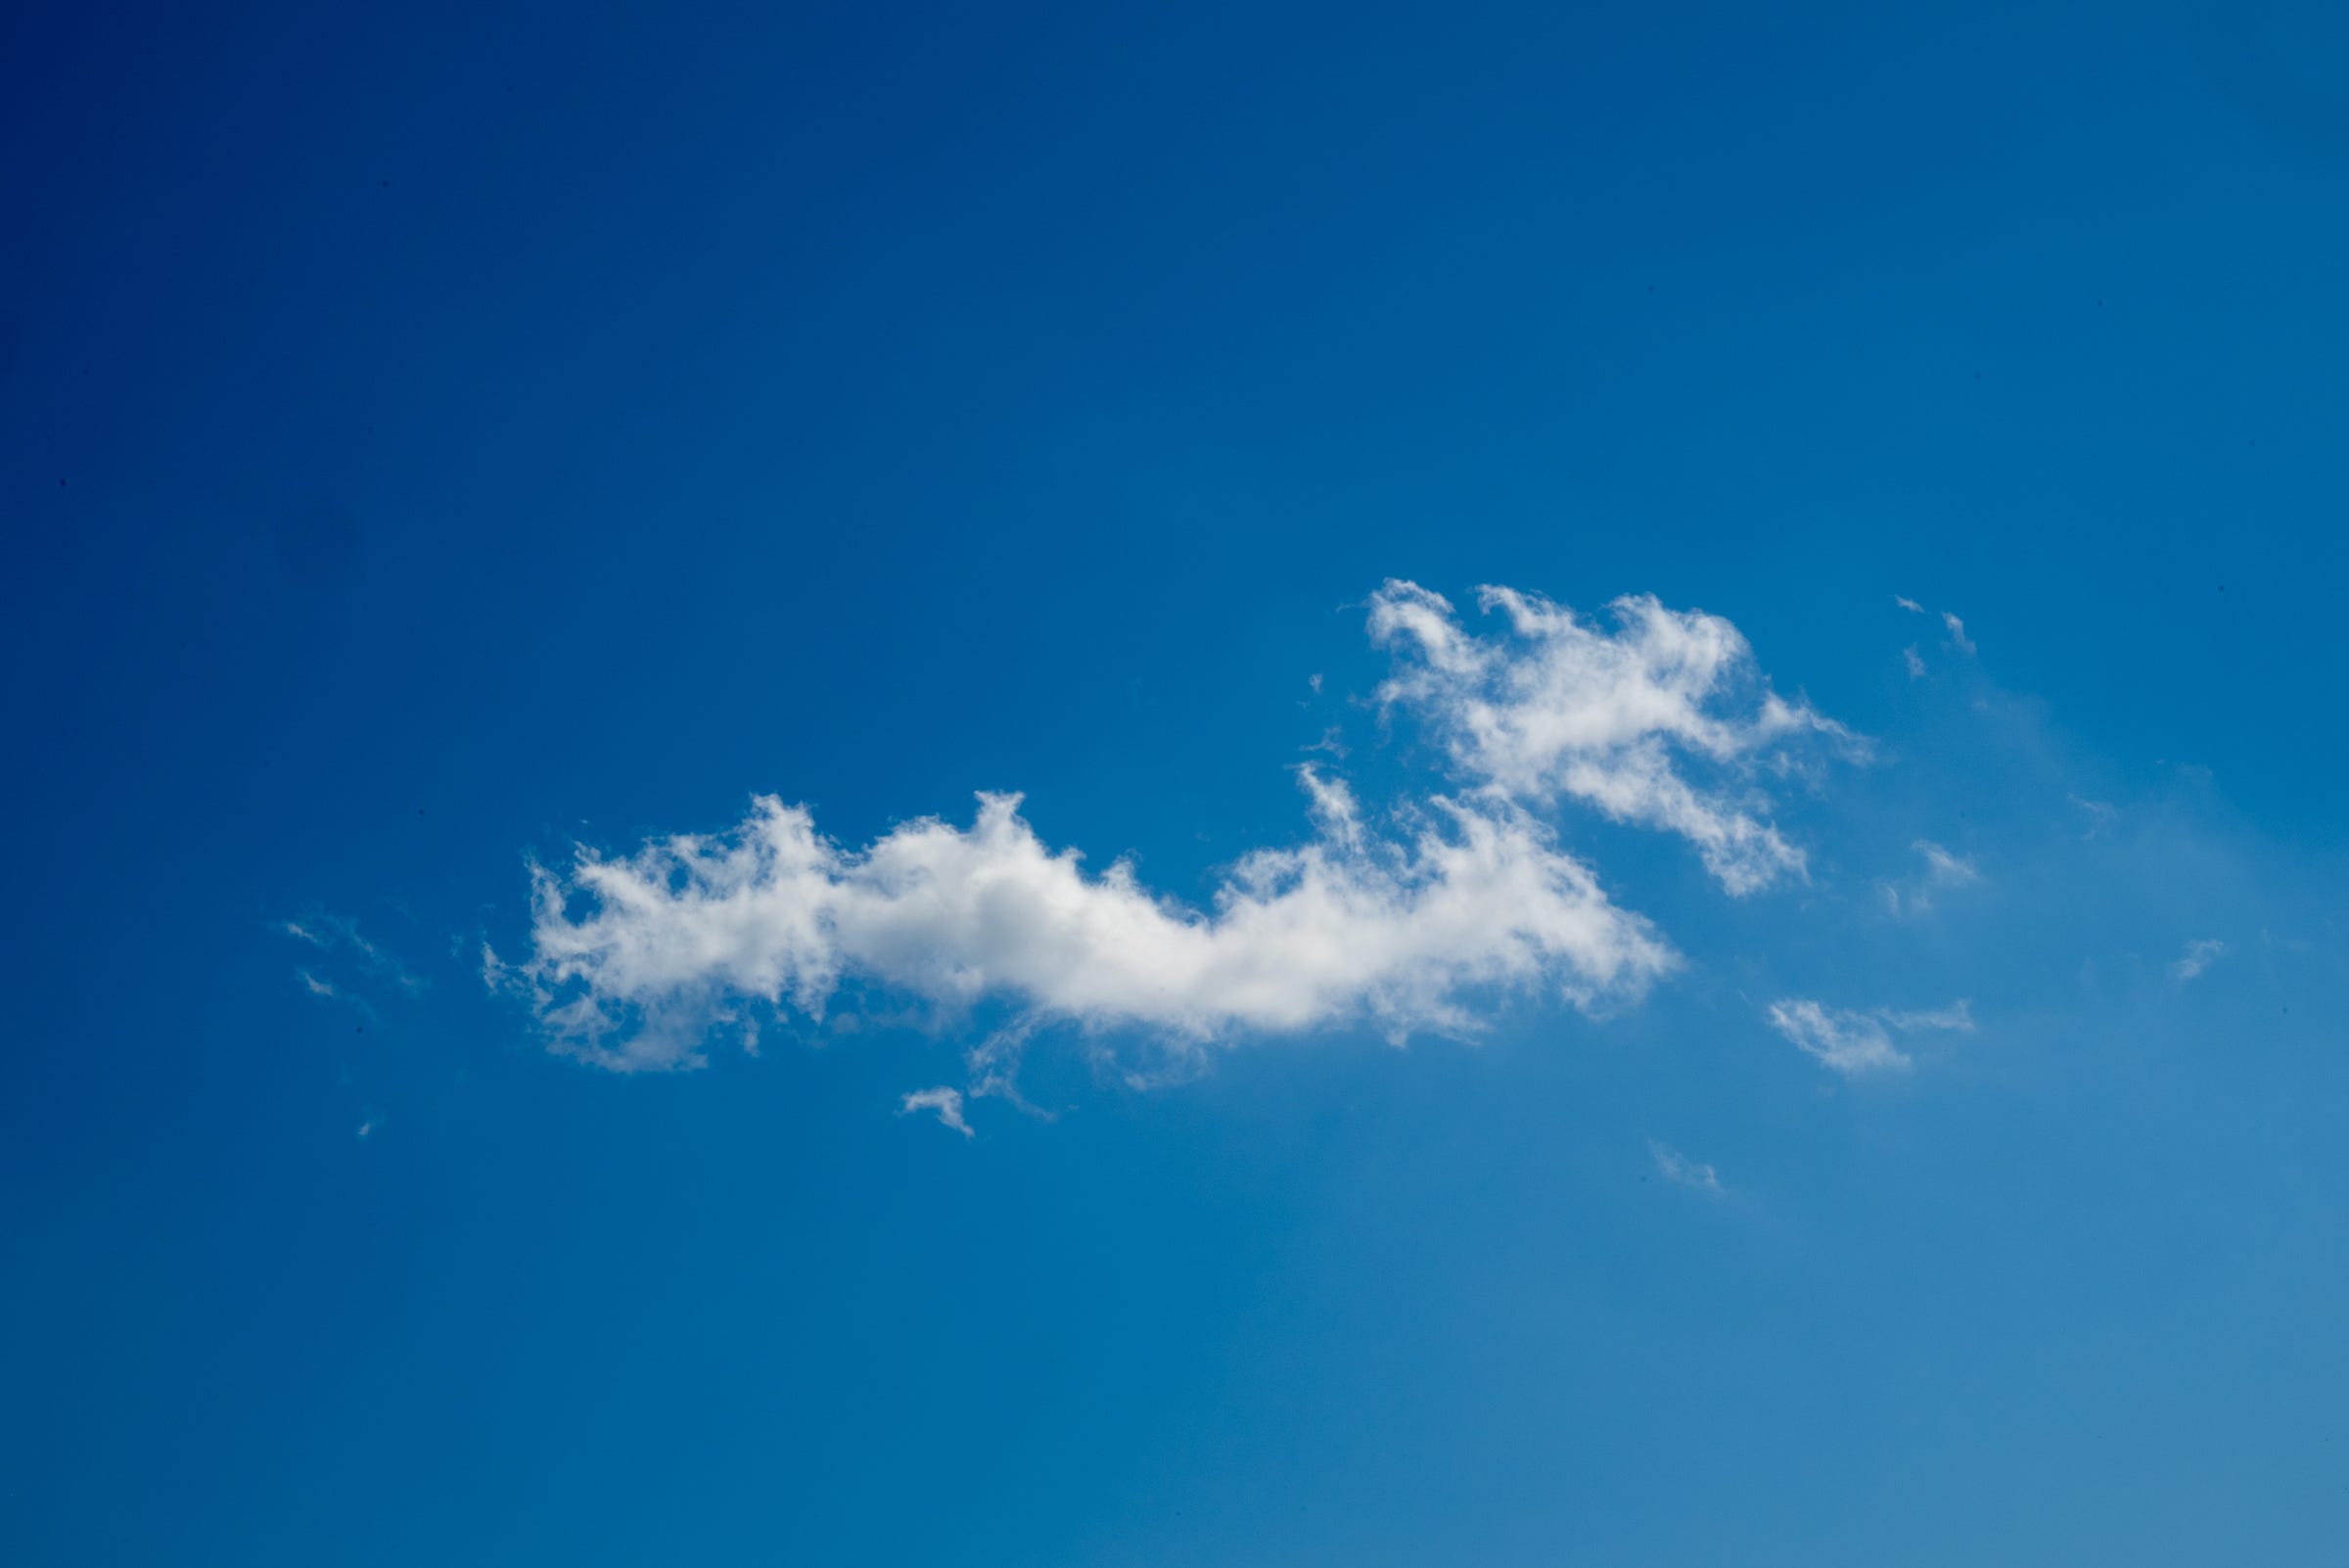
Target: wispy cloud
[2199,957]
[1943,871]
[2100,815]
[1949,621]
[1658,722]
[945,1102]
[1856,1043]
[357,956]
[1676,1166]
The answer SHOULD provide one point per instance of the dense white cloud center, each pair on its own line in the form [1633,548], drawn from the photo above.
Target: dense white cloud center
[1396,931]
[1411,922]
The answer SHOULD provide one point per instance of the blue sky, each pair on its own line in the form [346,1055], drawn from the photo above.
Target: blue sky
[1869,1082]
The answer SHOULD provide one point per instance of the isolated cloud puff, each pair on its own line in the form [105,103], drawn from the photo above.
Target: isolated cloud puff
[943,1102]
[1943,868]
[2199,957]
[1414,921]
[1943,871]
[634,959]
[1855,1043]
[1660,721]
[1677,1168]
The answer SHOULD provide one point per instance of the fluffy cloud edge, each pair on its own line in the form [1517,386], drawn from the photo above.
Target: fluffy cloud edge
[636,960]
[1662,722]
[1415,921]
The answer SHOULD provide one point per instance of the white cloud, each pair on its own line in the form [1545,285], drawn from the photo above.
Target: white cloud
[1957,1015]
[1943,871]
[2199,957]
[331,934]
[947,1102]
[1676,1167]
[1957,629]
[2100,815]
[1854,1043]
[636,960]
[1410,920]
[1561,706]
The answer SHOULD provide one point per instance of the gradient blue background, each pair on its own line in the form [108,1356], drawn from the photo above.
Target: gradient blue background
[429,437]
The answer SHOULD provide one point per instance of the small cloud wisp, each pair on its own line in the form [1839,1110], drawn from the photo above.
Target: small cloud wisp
[1859,1044]
[946,1103]
[2197,958]
[1677,1168]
